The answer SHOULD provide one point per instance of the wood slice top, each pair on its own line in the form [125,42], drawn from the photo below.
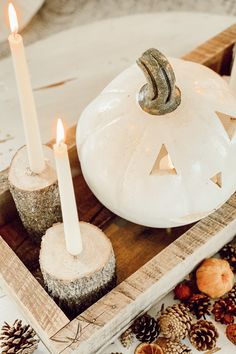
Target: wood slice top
[21,177]
[56,261]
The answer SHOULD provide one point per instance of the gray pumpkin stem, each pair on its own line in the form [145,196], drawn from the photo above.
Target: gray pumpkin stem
[160,95]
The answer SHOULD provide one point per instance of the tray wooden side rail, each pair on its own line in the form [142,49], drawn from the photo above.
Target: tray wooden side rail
[145,274]
[113,313]
[217,53]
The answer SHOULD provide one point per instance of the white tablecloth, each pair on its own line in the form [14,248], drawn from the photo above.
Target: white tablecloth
[178,32]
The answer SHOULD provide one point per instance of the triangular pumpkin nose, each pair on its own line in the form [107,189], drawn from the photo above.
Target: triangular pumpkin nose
[217,179]
[229,124]
[163,164]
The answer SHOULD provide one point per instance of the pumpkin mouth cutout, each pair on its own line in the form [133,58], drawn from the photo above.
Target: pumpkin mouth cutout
[163,164]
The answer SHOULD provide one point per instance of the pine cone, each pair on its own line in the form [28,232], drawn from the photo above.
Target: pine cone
[228,252]
[170,347]
[175,322]
[224,311]
[232,295]
[127,338]
[199,305]
[18,339]
[146,328]
[203,335]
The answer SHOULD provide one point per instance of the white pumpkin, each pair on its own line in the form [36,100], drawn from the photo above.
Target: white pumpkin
[161,170]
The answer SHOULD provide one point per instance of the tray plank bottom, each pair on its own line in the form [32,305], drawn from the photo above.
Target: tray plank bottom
[134,245]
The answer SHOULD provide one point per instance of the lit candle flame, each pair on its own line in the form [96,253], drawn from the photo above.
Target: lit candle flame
[13,18]
[60,132]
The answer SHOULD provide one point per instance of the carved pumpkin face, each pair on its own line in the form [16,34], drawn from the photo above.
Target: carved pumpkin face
[161,170]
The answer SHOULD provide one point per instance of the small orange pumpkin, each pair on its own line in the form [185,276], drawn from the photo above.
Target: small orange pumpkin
[214,277]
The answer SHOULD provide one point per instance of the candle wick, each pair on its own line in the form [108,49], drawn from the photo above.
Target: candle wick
[60,144]
[15,35]
[75,257]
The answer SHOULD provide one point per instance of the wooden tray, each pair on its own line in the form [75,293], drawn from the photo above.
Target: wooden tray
[145,274]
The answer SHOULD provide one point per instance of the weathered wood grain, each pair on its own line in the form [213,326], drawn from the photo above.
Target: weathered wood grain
[142,279]
[135,245]
[113,313]
[125,236]
[217,52]
[40,310]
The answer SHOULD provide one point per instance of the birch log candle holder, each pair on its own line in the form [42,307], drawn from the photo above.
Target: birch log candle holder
[36,195]
[77,281]
[76,258]
[32,177]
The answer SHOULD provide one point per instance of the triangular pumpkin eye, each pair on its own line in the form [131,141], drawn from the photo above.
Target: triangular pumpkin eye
[217,179]
[163,164]
[229,124]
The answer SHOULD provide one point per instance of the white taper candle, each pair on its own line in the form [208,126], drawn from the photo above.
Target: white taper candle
[68,204]
[28,110]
